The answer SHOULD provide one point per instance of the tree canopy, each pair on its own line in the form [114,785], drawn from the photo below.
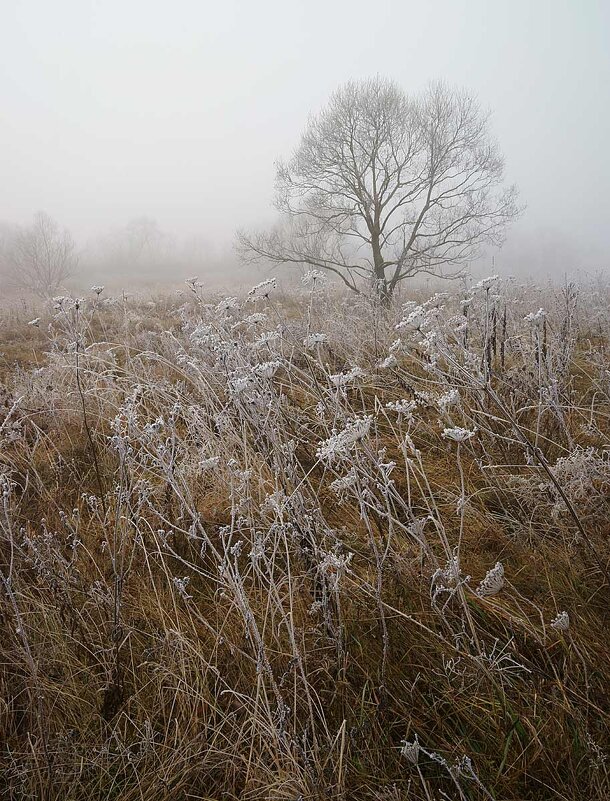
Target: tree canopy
[383,186]
[40,257]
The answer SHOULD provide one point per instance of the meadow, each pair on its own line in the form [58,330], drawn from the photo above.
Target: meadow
[304,546]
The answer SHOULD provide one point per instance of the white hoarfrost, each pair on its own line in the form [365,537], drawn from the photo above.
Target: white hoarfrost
[458,434]
[341,443]
[493,581]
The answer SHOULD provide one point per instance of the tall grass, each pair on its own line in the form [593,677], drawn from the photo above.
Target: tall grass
[306,547]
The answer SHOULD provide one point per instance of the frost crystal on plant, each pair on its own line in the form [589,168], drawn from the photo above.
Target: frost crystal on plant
[403,408]
[333,566]
[239,384]
[561,622]
[450,398]
[413,321]
[209,464]
[311,340]
[450,575]
[262,290]
[485,283]
[314,277]
[493,581]
[267,369]
[535,319]
[340,485]
[226,304]
[180,584]
[410,751]
[390,361]
[265,338]
[342,379]
[341,443]
[458,434]
[256,319]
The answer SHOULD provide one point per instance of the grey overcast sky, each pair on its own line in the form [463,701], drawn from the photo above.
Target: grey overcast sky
[113,109]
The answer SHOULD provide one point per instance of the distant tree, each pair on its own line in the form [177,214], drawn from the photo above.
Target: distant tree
[7,233]
[138,251]
[40,257]
[384,186]
[144,241]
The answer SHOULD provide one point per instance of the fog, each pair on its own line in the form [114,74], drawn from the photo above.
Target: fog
[175,112]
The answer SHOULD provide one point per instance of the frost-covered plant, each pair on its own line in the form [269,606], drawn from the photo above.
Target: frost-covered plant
[410,750]
[403,408]
[315,278]
[312,340]
[535,319]
[262,291]
[493,582]
[458,434]
[266,369]
[485,284]
[343,379]
[341,443]
[272,525]
[561,622]
[389,361]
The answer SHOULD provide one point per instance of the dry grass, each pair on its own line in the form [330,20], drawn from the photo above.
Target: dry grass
[193,608]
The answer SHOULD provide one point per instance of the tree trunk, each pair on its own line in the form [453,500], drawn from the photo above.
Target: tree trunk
[381,285]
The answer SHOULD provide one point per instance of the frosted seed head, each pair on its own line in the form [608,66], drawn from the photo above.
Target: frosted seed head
[493,581]
[561,622]
[410,751]
[458,434]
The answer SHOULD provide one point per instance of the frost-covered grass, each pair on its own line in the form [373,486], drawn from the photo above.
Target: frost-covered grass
[278,547]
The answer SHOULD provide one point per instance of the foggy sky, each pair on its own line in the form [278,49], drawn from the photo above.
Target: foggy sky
[114,109]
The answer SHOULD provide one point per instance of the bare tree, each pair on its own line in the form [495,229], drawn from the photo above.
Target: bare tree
[144,241]
[40,257]
[384,186]
[138,251]
[6,235]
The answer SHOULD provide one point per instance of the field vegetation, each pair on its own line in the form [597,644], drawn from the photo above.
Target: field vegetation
[308,546]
